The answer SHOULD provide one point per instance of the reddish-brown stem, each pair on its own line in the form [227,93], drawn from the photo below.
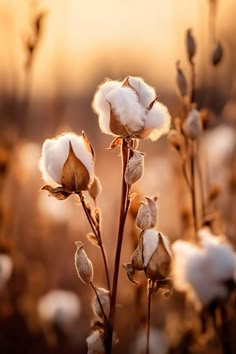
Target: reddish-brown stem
[97,233]
[193,190]
[125,153]
[149,303]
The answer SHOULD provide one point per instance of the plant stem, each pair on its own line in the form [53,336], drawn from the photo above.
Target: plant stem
[149,302]
[125,153]
[201,183]
[193,189]
[97,233]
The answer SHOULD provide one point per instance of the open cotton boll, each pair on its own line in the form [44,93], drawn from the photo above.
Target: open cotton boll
[145,92]
[59,306]
[157,121]
[150,243]
[125,105]
[55,153]
[101,106]
[216,248]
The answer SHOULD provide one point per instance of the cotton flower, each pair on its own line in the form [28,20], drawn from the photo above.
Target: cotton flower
[6,267]
[67,162]
[202,272]
[158,342]
[130,109]
[59,306]
[153,255]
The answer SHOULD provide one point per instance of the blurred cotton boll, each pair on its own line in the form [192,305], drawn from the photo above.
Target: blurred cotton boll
[68,161]
[51,209]
[158,342]
[130,109]
[60,307]
[202,271]
[6,268]
[220,144]
[28,156]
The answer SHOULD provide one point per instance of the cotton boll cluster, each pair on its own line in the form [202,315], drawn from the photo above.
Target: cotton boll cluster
[130,109]
[61,307]
[202,271]
[158,342]
[6,268]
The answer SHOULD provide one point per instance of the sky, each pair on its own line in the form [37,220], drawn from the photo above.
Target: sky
[83,38]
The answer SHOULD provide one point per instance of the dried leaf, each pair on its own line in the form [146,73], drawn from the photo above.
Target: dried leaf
[130,272]
[116,142]
[58,192]
[93,239]
[75,176]
[151,104]
[88,144]
[95,188]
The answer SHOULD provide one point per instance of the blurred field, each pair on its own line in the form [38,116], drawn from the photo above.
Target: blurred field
[78,46]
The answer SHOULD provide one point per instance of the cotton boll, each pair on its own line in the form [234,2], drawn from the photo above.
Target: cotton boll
[125,105]
[157,121]
[158,342]
[145,92]
[59,306]
[55,153]
[101,106]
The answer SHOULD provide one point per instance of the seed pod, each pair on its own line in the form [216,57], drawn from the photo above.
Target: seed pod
[135,168]
[190,45]
[104,297]
[176,139]
[192,126]
[130,272]
[159,265]
[143,219]
[137,257]
[217,54]
[153,210]
[83,265]
[181,80]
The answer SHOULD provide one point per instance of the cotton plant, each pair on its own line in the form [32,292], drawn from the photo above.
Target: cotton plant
[153,256]
[6,269]
[129,111]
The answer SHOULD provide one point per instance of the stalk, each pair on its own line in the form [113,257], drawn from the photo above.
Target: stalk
[193,190]
[149,302]
[125,153]
[96,230]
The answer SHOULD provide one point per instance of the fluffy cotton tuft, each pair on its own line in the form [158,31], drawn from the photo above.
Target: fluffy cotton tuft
[150,243]
[101,106]
[145,92]
[201,272]
[59,306]
[55,153]
[125,104]
[158,121]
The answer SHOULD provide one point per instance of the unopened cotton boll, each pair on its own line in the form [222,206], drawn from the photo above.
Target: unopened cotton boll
[147,214]
[68,161]
[104,297]
[6,268]
[192,126]
[135,168]
[83,265]
[152,254]
[59,306]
